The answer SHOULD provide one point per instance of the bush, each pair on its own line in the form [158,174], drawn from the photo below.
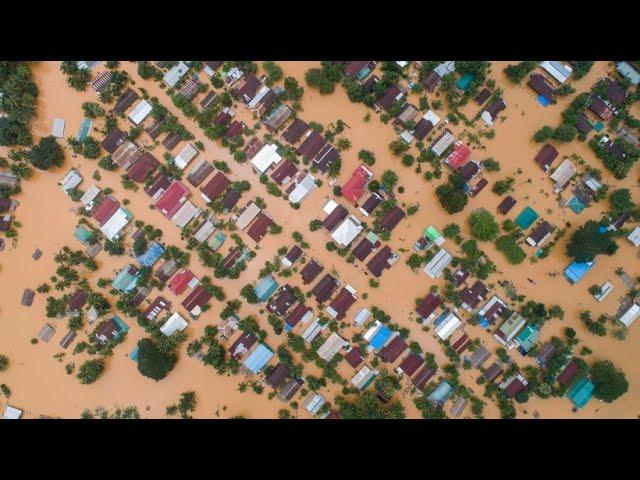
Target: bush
[508,245]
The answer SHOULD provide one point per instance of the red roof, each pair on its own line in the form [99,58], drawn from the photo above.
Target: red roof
[296,314]
[353,357]
[105,209]
[180,281]
[411,363]
[218,183]
[287,170]
[569,372]
[143,167]
[171,200]
[459,156]
[354,188]
[393,349]
[342,302]
[197,298]
[259,227]
[428,305]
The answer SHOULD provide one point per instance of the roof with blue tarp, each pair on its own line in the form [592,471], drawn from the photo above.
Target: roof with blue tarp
[85,126]
[151,256]
[581,393]
[574,272]
[258,358]
[380,338]
[265,288]
[526,218]
[441,393]
[82,234]
[543,101]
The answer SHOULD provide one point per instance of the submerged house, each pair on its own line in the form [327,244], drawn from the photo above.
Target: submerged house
[509,329]
[342,302]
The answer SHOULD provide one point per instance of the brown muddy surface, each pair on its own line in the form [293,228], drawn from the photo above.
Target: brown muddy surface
[41,386]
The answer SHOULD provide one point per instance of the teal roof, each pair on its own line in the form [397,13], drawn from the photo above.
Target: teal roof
[265,288]
[526,218]
[527,337]
[464,81]
[82,234]
[581,393]
[216,242]
[125,281]
[441,393]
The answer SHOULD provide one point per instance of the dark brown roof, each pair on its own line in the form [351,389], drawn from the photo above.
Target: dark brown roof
[253,146]
[296,314]
[222,118]
[236,128]
[232,256]
[546,353]
[364,248]
[325,157]
[310,271]
[282,300]
[311,145]
[515,387]
[125,101]
[541,231]
[171,140]
[493,372]
[107,331]
[285,171]
[214,188]
[141,294]
[77,300]
[353,357]
[478,187]
[199,172]
[469,170]
[160,182]
[277,375]
[27,297]
[214,65]
[431,81]
[230,198]
[293,254]
[582,124]
[342,302]
[422,377]
[391,219]
[423,127]
[569,372]
[460,276]
[249,88]
[411,363]
[198,297]
[388,98]
[353,68]
[393,349]
[600,108]
[295,130]
[290,389]
[496,107]
[546,156]
[143,167]
[244,342]
[541,86]
[370,84]
[380,261]
[210,99]
[483,96]
[324,288]
[616,93]
[157,306]
[155,129]
[461,344]
[335,217]
[371,203]
[259,227]
[113,140]
[428,305]
[474,295]
[68,339]
[506,204]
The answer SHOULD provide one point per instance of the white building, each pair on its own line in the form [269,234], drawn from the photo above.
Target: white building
[331,347]
[185,156]
[58,127]
[438,263]
[557,70]
[363,378]
[634,237]
[187,212]
[605,290]
[140,112]
[174,324]
[247,216]
[563,174]
[89,196]
[265,158]
[70,181]
[362,316]
[629,314]
[303,188]
[116,223]
[175,74]
[447,325]
[347,231]
[11,413]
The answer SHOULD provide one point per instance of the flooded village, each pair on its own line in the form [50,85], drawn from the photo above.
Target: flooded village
[300,239]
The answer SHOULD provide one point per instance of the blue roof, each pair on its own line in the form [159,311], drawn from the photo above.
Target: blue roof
[543,101]
[265,288]
[574,272]
[441,393]
[581,393]
[258,358]
[134,355]
[151,256]
[380,338]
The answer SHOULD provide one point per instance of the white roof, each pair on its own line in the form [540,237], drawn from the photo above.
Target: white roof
[449,325]
[116,223]
[11,413]
[563,173]
[303,188]
[173,324]
[557,70]
[486,116]
[634,237]
[407,136]
[329,206]
[630,315]
[402,63]
[438,263]
[185,214]
[58,127]
[361,317]
[255,100]
[204,231]
[347,231]
[443,143]
[363,376]
[369,334]
[90,195]
[605,290]
[247,216]
[175,74]
[266,157]
[187,154]
[140,112]
[331,347]
[432,117]
[71,180]
[445,67]
[313,330]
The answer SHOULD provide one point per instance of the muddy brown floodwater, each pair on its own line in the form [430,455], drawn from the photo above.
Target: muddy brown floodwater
[40,385]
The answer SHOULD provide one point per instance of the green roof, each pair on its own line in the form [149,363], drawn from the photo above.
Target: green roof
[431,232]
[581,393]
[82,234]
[372,237]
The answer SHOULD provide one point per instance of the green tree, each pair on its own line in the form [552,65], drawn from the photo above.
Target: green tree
[153,362]
[90,371]
[587,242]
[4,362]
[46,154]
[483,225]
[610,382]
